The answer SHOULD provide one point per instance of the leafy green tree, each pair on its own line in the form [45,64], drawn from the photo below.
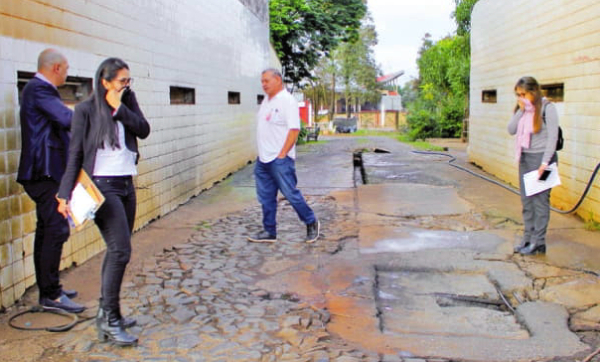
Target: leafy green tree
[352,65]
[409,92]
[462,16]
[304,31]
[358,68]
[443,84]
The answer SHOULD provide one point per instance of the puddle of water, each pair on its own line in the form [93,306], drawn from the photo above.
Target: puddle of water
[361,280]
[426,239]
[387,296]
[379,163]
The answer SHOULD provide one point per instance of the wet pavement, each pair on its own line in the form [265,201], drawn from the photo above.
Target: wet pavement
[414,266]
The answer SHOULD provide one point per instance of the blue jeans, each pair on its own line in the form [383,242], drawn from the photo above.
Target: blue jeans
[279,175]
[115,220]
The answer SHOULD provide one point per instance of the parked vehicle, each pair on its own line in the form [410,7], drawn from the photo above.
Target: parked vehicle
[345,125]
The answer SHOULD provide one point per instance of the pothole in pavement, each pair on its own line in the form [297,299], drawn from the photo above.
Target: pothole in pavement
[454,304]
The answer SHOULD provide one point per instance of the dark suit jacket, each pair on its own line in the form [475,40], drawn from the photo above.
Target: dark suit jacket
[82,152]
[45,124]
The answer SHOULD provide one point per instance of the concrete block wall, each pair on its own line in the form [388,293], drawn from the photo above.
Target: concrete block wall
[212,46]
[372,120]
[555,41]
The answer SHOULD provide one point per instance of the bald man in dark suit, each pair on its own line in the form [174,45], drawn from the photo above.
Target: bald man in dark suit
[45,125]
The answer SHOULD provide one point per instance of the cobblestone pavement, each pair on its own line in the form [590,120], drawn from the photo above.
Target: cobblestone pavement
[200,301]
[217,297]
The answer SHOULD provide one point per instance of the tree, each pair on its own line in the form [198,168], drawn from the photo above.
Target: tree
[443,84]
[462,16]
[304,31]
[409,92]
[357,66]
[352,65]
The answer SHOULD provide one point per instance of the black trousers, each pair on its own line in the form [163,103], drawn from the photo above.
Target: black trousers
[115,220]
[52,231]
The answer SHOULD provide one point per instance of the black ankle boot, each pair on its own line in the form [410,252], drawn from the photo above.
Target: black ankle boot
[111,328]
[533,249]
[125,321]
[523,244]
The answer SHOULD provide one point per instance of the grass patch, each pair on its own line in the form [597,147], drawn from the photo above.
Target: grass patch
[591,224]
[310,144]
[372,132]
[202,225]
[420,145]
[402,137]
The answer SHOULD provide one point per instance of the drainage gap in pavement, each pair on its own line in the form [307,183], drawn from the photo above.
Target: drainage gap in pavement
[378,303]
[454,300]
[360,176]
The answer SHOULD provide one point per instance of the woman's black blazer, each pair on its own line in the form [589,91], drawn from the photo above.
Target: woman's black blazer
[82,150]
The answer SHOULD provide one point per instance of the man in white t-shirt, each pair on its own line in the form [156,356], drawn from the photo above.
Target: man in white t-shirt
[278,126]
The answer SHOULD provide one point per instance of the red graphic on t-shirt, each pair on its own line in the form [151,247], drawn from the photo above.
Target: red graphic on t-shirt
[270,113]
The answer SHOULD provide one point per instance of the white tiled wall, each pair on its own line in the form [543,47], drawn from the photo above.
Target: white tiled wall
[554,41]
[213,46]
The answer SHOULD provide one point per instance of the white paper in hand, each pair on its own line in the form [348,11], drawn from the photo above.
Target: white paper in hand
[534,186]
[81,204]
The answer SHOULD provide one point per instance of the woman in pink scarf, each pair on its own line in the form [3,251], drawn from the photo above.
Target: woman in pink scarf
[535,125]
[525,126]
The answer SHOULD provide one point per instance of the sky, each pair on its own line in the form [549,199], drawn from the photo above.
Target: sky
[401,25]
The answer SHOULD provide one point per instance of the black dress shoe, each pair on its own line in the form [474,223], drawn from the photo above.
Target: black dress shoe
[263,237]
[63,302]
[71,293]
[533,249]
[313,231]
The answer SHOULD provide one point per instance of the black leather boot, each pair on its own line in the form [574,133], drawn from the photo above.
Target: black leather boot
[125,321]
[111,328]
[524,244]
[533,249]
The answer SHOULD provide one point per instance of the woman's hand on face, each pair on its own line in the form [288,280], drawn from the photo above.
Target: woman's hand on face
[113,97]
[521,103]
[63,207]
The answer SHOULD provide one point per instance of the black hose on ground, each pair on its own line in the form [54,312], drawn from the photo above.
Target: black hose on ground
[39,309]
[511,189]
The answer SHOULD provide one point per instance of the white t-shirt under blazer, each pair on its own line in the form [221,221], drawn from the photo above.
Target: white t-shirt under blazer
[275,118]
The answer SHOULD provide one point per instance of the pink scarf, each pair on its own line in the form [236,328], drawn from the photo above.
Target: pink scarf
[524,129]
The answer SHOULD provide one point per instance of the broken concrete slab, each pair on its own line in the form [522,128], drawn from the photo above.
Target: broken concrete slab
[509,278]
[586,321]
[449,304]
[580,293]
[582,255]
[410,200]
[540,270]
[546,322]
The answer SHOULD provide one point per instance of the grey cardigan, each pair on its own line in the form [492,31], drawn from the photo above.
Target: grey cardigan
[545,140]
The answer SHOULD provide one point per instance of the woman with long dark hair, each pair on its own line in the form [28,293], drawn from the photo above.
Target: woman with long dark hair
[105,129]
[535,125]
